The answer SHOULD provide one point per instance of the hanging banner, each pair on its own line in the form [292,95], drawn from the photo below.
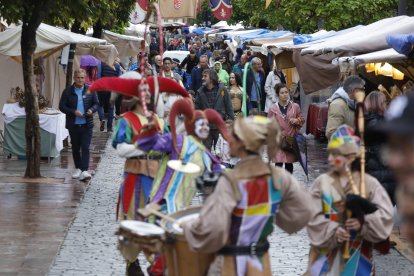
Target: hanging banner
[222,9]
[175,9]
[268,3]
[140,11]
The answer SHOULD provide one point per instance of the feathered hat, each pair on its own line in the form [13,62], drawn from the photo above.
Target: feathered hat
[186,108]
[128,84]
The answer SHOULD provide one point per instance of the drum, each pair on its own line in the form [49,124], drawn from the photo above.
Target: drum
[135,236]
[181,260]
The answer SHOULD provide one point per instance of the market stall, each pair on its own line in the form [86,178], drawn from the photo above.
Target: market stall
[52,131]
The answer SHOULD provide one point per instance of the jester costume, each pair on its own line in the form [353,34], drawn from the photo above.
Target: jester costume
[174,188]
[140,167]
[139,171]
[238,216]
[329,197]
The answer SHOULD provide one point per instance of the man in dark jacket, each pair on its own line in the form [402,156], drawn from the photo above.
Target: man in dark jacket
[255,85]
[197,73]
[213,95]
[78,105]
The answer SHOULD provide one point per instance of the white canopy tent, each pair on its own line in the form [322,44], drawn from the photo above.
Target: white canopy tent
[126,45]
[388,55]
[51,39]
[318,58]
[50,42]
[364,39]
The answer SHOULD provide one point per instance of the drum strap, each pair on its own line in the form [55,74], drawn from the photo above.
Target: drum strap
[254,249]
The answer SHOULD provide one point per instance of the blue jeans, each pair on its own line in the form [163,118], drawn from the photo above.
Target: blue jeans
[187,81]
[80,136]
[106,106]
[101,115]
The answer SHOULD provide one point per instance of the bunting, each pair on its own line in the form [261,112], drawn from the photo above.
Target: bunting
[268,3]
[140,11]
[175,9]
[222,9]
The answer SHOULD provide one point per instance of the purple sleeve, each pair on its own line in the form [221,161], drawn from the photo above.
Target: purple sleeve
[216,162]
[156,142]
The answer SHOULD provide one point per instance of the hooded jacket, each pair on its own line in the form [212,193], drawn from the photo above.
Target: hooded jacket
[222,74]
[341,111]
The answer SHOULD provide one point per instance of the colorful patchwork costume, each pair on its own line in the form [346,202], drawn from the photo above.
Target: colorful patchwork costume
[329,196]
[238,216]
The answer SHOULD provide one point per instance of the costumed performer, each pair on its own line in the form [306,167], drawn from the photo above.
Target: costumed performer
[140,167]
[174,188]
[333,196]
[238,216]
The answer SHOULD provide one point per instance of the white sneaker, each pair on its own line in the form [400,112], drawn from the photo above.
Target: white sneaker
[76,173]
[85,175]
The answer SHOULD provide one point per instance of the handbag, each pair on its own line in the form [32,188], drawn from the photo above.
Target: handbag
[287,143]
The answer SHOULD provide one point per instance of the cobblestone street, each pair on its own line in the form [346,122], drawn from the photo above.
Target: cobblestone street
[89,247]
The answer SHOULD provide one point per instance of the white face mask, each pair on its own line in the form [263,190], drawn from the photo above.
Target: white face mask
[202,128]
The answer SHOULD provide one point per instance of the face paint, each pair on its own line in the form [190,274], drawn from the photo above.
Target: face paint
[201,128]
[337,161]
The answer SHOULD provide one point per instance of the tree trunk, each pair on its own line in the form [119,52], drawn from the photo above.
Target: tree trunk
[97,29]
[69,67]
[32,132]
[402,7]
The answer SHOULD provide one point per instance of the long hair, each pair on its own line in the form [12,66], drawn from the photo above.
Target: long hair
[375,102]
[238,79]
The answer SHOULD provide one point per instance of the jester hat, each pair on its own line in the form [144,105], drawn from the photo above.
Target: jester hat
[128,84]
[186,108]
[344,141]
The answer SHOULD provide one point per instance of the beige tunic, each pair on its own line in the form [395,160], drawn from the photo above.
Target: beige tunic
[322,232]
[210,232]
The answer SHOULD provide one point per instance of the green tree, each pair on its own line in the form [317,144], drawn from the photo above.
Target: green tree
[307,16]
[77,13]
[31,14]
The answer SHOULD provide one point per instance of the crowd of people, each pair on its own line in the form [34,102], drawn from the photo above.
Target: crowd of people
[347,213]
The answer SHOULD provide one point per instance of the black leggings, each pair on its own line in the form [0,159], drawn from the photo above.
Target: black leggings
[288,166]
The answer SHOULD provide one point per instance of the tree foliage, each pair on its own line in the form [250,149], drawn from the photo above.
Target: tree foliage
[110,14]
[307,16]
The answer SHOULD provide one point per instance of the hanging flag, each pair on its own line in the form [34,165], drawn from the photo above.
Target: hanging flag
[222,9]
[175,9]
[268,3]
[140,11]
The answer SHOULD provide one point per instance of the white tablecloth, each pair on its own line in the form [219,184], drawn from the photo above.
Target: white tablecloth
[53,121]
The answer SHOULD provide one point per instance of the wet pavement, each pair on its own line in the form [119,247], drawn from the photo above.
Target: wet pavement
[35,215]
[68,228]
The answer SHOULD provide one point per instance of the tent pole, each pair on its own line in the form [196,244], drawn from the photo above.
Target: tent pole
[69,68]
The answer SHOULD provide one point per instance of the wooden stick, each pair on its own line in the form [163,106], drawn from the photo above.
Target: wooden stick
[161,215]
[355,189]
[345,253]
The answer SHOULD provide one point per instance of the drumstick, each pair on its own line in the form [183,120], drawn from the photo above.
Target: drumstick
[159,214]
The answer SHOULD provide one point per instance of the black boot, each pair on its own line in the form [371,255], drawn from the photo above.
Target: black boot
[134,269]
